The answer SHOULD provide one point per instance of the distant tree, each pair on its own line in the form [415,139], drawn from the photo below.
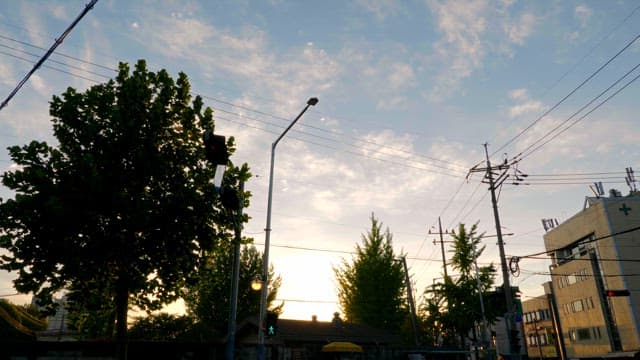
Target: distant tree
[371,287]
[124,204]
[160,327]
[453,306]
[91,309]
[208,299]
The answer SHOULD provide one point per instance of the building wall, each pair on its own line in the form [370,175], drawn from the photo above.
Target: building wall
[578,282]
[538,328]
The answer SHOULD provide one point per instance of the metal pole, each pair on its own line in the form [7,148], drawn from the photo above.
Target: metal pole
[535,323]
[267,237]
[484,318]
[503,261]
[233,302]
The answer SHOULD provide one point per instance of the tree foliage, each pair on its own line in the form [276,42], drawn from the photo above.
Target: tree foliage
[451,309]
[371,287]
[208,300]
[160,327]
[124,205]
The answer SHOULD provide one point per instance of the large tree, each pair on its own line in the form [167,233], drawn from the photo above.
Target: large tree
[371,287]
[453,306]
[124,205]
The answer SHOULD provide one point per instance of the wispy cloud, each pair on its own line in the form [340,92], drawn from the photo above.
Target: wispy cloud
[583,14]
[525,105]
[381,8]
[462,25]
[518,31]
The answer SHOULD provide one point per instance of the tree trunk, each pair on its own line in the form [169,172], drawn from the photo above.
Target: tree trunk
[122,306]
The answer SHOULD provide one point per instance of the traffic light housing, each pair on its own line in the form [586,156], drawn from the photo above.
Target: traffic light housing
[615,293]
[215,147]
[271,326]
[229,198]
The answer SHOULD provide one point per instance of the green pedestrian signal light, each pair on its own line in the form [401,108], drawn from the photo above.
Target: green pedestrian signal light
[271,327]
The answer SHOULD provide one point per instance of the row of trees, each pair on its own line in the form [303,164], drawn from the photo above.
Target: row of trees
[122,212]
[372,289]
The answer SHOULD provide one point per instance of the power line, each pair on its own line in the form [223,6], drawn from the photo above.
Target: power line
[48,53]
[54,61]
[407,165]
[575,66]
[303,248]
[58,53]
[382,146]
[636,228]
[580,174]
[347,144]
[583,116]
[308,301]
[51,67]
[548,111]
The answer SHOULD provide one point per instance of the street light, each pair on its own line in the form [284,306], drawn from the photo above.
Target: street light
[265,266]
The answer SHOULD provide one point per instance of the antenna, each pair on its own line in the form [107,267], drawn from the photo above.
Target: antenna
[597,189]
[630,179]
[549,224]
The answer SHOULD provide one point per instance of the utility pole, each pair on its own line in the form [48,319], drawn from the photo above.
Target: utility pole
[412,304]
[485,341]
[231,327]
[493,184]
[444,257]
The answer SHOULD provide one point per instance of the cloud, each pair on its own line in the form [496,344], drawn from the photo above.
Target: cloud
[583,14]
[572,36]
[518,94]
[59,12]
[400,75]
[519,31]
[245,56]
[462,25]
[6,75]
[380,8]
[525,108]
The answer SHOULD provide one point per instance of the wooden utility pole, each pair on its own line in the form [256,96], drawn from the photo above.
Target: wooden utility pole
[444,257]
[493,185]
[412,304]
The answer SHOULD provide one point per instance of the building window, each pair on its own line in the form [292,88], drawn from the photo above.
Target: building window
[596,333]
[577,305]
[584,334]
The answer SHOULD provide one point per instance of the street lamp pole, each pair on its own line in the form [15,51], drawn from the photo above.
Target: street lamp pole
[267,238]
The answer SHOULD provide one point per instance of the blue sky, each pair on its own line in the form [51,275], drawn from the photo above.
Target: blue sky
[409,91]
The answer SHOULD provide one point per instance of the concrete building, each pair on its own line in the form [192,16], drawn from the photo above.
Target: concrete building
[595,251]
[539,328]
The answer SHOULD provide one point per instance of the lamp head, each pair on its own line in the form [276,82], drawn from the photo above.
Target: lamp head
[256,284]
[313,101]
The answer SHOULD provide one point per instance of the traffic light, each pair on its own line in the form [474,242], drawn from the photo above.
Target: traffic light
[229,198]
[614,293]
[271,327]
[215,147]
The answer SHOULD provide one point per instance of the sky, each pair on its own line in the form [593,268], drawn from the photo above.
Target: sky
[409,91]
